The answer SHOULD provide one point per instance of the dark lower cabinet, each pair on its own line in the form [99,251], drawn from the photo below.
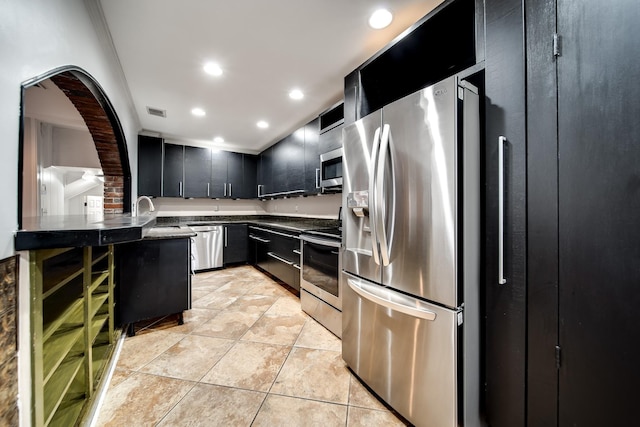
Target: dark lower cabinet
[153,279]
[277,252]
[235,244]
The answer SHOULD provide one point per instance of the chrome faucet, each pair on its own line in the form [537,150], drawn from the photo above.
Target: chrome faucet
[151,207]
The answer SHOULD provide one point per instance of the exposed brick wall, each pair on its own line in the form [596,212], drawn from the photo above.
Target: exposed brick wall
[8,346]
[103,136]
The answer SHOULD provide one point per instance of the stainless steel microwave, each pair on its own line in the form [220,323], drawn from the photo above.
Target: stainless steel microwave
[331,169]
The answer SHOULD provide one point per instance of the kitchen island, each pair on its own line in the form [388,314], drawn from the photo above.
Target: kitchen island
[69,264]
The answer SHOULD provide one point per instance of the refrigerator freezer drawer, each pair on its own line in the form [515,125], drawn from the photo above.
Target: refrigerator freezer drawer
[404,349]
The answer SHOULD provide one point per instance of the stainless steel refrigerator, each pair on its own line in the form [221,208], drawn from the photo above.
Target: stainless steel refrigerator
[411,197]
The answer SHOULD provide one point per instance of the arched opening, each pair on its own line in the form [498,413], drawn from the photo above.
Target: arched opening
[105,130]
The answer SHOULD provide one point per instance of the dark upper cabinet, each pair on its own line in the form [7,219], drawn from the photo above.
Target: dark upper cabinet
[311,158]
[173,171]
[330,140]
[235,180]
[295,162]
[248,190]
[279,166]
[197,172]
[218,172]
[265,171]
[149,166]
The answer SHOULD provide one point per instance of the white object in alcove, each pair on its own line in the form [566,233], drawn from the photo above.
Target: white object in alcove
[93,204]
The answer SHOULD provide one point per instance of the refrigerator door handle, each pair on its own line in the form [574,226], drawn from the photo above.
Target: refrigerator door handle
[381,296]
[501,141]
[373,214]
[380,199]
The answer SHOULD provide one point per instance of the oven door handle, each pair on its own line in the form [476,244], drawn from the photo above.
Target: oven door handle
[323,242]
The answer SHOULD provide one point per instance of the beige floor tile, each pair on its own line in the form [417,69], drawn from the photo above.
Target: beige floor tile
[190,358]
[287,305]
[141,400]
[199,293]
[119,375]
[252,366]
[314,335]
[209,405]
[282,330]
[289,411]
[268,287]
[215,301]
[363,398]
[228,324]
[314,374]
[141,349]
[252,303]
[360,417]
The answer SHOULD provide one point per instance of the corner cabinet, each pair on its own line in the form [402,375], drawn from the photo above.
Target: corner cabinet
[72,329]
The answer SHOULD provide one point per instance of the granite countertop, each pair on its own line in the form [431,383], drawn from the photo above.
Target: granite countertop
[60,231]
[286,223]
[169,232]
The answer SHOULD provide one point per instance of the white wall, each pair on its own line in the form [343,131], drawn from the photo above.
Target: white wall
[37,36]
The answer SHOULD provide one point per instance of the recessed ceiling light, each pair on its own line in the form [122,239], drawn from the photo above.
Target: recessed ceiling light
[380,19]
[213,69]
[262,124]
[199,112]
[296,94]
[218,140]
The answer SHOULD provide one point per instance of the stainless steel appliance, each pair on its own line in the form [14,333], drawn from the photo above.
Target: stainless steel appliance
[411,253]
[331,169]
[321,287]
[206,247]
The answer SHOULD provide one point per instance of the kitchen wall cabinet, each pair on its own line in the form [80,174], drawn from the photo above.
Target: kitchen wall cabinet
[149,166]
[236,243]
[218,171]
[173,171]
[312,157]
[72,329]
[249,188]
[197,172]
[154,279]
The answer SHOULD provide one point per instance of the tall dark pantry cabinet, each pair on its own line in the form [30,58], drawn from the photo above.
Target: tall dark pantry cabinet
[584,212]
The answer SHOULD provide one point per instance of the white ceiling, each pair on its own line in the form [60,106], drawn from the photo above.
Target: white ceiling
[265,47]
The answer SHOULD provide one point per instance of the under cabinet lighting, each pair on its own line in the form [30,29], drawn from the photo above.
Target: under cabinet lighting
[379,19]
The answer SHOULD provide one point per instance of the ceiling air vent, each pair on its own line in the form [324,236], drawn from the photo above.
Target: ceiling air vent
[157,112]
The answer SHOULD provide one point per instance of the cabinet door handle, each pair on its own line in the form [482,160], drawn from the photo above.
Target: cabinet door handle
[226,241]
[207,189]
[317,178]
[229,189]
[225,189]
[501,142]
[180,189]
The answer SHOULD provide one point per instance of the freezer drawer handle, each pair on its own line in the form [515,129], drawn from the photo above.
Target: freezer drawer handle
[421,313]
[272,255]
[501,142]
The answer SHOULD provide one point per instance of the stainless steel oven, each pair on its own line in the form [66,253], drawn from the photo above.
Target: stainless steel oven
[321,287]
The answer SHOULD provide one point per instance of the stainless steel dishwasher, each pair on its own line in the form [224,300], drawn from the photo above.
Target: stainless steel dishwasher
[206,247]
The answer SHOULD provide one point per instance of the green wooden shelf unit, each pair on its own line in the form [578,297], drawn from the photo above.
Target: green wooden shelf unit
[72,329]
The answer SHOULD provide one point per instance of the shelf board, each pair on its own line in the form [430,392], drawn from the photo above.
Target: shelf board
[57,349]
[58,385]
[97,279]
[96,325]
[70,316]
[57,279]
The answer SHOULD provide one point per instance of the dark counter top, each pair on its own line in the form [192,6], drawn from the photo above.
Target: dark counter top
[60,231]
[286,223]
[171,232]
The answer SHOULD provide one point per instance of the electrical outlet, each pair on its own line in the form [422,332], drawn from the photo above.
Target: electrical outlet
[216,208]
[296,208]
